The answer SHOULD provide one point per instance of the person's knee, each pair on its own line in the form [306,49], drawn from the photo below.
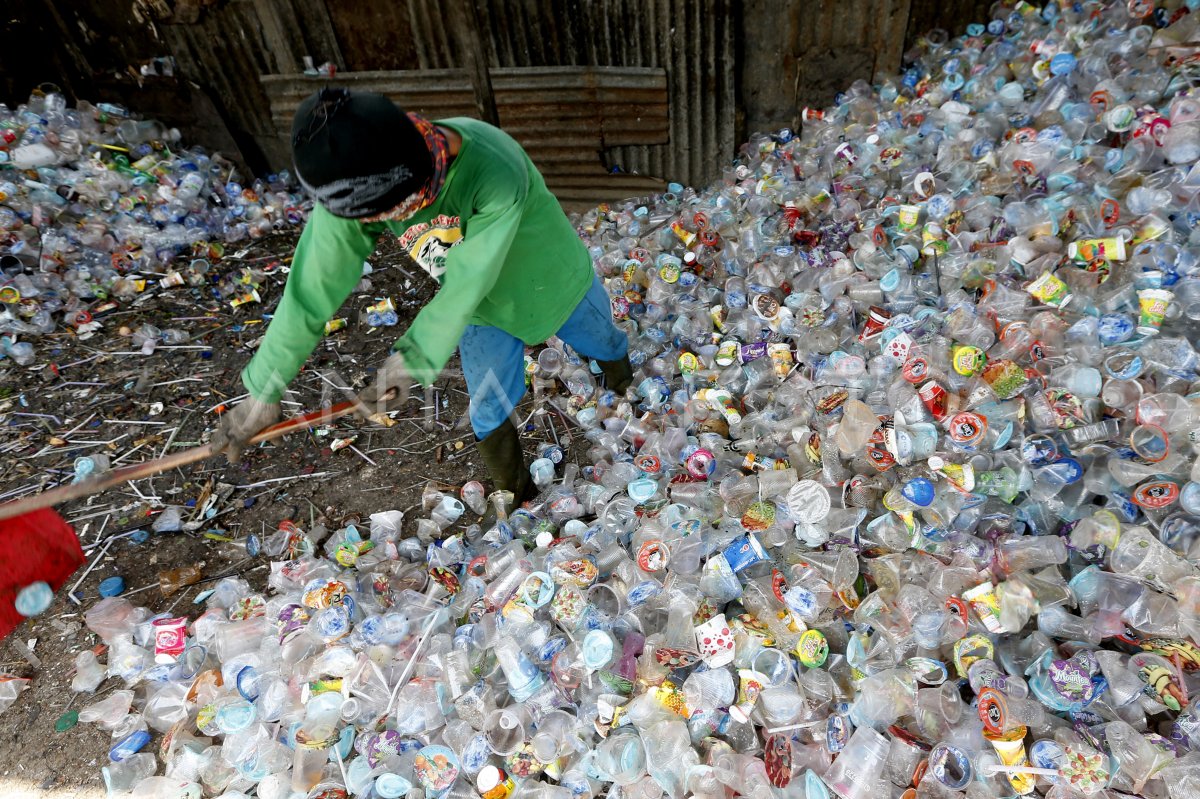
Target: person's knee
[594,335]
[493,402]
[619,347]
[486,419]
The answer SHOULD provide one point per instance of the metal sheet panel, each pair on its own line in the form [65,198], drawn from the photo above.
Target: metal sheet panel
[584,108]
[841,41]
[693,41]
[563,116]
[397,35]
[431,93]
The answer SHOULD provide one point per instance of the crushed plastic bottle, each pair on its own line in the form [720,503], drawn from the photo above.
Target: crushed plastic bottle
[11,687]
[171,580]
[89,672]
[169,521]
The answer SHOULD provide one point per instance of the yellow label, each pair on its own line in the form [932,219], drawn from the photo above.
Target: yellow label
[968,360]
[684,235]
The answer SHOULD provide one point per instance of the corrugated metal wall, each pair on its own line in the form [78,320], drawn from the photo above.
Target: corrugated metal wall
[222,49]
[731,66]
[693,40]
[566,117]
[230,50]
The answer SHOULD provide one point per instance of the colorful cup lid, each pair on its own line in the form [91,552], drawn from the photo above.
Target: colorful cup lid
[993,711]
[814,786]
[777,758]
[759,516]
[919,491]
[653,556]
[812,649]
[642,489]
[436,768]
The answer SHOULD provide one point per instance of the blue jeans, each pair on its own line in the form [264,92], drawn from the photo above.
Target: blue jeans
[493,361]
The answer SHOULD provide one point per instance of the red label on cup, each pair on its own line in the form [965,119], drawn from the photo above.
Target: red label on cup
[777,757]
[880,458]
[934,398]
[170,635]
[967,429]
[956,607]
[653,556]
[1110,212]
[877,319]
[915,369]
[779,585]
[992,710]
[648,463]
[1158,494]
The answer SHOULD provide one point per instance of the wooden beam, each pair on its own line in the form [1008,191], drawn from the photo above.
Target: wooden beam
[318,26]
[276,23]
[462,19]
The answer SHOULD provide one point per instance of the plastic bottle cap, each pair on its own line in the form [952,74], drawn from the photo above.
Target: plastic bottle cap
[34,599]
[113,586]
[597,649]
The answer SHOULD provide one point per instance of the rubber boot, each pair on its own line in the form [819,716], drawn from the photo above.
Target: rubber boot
[501,452]
[617,374]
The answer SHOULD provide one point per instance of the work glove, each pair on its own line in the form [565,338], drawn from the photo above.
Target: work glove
[239,426]
[390,390]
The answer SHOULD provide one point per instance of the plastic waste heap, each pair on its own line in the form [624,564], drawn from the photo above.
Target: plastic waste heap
[904,501]
[98,207]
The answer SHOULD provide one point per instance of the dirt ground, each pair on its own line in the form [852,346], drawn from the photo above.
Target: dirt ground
[300,477]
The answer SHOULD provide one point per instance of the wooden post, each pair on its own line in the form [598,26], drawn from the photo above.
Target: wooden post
[296,28]
[475,51]
[279,27]
[320,33]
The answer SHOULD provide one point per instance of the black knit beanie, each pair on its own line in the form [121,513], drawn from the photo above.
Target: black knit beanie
[356,153]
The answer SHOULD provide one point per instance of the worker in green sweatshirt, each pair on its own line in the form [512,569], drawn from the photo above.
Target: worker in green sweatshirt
[467,204]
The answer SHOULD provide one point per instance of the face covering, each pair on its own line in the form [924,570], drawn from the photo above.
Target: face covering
[439,150]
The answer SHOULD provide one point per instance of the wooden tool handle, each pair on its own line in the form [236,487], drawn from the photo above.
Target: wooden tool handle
[137,471]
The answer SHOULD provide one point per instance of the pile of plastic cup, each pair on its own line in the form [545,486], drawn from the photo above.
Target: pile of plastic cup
[903,503]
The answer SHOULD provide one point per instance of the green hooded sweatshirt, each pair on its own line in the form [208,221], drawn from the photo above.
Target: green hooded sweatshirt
[495,239]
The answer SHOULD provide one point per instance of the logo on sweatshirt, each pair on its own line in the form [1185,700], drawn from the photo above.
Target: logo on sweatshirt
[428,243]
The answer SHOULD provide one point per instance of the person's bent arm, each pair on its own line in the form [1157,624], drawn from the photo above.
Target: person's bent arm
[326,268]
